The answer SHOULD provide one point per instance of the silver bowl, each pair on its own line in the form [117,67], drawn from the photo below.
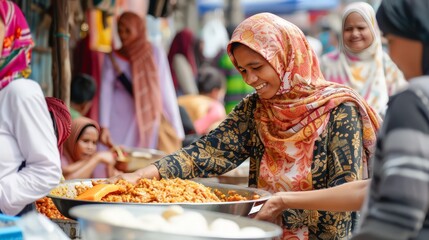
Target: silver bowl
[94,228]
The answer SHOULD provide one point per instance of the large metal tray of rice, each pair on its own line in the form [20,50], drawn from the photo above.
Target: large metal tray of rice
[250,199]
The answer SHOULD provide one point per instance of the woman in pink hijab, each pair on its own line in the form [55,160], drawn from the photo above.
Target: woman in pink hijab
[138,104]
[29,157]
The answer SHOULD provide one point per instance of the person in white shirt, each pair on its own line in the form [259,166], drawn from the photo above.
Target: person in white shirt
[29,159]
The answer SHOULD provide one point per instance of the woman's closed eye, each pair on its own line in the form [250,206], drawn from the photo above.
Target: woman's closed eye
[89,141]
[256,68]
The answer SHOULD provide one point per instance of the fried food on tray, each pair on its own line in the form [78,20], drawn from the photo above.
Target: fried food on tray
[145,191]
[164,191]
[46,207]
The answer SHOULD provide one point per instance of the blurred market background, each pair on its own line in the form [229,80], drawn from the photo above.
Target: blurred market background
[94,21]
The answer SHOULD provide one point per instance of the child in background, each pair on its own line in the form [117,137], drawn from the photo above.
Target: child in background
[206,109]
[80,151]
[82,91]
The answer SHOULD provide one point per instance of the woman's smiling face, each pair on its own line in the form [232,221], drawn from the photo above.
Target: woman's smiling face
[256,71]
[357,35]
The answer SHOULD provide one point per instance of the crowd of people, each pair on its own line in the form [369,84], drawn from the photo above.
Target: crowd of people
[338,139]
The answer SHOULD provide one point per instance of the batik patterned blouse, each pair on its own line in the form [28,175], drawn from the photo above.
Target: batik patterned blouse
[337,159]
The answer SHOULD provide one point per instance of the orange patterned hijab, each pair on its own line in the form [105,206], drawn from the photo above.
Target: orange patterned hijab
[290,122]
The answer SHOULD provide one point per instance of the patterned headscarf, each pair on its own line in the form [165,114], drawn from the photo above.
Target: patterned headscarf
[78,125]
[370,72]
[147,92]
[17,43]
[290,122]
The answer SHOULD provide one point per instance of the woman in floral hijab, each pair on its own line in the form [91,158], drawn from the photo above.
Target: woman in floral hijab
[299,131]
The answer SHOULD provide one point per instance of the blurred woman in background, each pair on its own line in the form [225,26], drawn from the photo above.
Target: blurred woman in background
[136,110]
[183,66]
[360,62]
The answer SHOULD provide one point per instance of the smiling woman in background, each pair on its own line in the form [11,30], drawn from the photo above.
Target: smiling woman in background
[361,63]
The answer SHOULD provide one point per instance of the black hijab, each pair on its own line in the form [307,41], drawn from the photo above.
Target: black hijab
[407,19]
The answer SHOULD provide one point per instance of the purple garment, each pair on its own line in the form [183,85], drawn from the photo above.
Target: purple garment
[117,108]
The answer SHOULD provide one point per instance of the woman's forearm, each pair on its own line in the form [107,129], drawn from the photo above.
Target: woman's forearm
[345,197]
[150,172]
[80,169]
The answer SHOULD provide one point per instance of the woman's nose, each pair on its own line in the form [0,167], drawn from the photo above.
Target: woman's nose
[91,146]
[251,78]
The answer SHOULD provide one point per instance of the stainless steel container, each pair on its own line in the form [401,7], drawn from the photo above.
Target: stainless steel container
[94,228]
[69,227]
[137,158]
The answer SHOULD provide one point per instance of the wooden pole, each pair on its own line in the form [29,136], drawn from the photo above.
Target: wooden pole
[60,53]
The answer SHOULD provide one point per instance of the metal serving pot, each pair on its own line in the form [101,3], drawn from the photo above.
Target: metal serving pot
[93,227]
[137,158]
[241,208]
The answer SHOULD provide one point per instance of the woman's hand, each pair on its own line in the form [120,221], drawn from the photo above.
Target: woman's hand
[148,172]
[106,157]
[342,198]
[105,138]
[129,177]
[272,210]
